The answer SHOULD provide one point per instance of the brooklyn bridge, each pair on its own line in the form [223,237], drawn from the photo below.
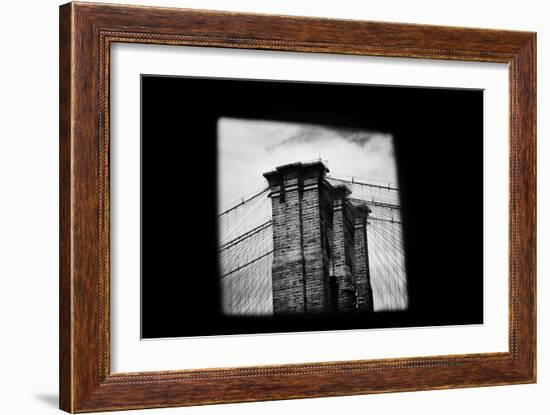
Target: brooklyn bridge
[310,242]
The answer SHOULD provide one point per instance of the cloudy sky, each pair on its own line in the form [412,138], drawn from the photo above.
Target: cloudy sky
[249,148]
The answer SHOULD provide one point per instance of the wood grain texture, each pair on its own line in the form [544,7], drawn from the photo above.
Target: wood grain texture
[86,33]
[65,138]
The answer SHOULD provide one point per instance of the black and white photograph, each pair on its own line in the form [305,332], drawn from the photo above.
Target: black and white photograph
[281,206]
[309,241]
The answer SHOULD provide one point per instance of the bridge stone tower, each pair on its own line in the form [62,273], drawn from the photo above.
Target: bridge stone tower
[320,257]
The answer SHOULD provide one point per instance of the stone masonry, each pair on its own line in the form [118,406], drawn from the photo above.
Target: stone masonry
[320,257]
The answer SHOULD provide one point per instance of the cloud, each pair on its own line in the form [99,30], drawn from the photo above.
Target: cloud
[249,148]
[313,134]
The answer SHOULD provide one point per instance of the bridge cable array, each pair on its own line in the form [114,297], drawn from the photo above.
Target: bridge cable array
[246,250]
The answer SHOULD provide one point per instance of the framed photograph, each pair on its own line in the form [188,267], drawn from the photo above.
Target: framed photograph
[258,207]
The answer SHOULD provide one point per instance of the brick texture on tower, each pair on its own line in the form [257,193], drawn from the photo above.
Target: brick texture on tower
[320,254]
[362,271]
[342,250]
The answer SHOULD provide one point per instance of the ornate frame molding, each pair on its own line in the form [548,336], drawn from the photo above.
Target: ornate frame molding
[86,33]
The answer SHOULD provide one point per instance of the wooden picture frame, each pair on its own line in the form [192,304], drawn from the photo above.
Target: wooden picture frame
[86,33]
